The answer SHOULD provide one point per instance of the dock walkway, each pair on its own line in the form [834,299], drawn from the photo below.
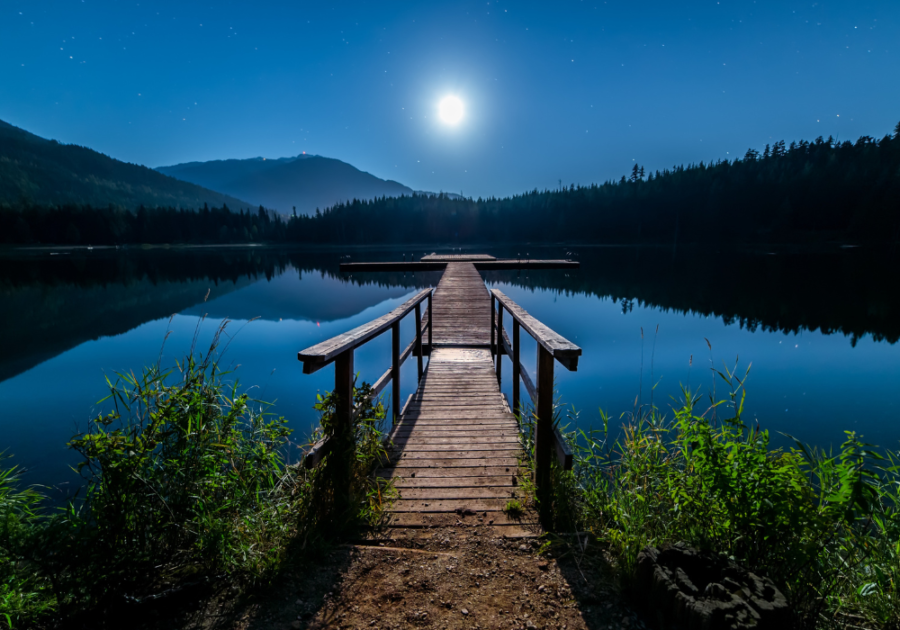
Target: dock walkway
[454,448]
[456,445]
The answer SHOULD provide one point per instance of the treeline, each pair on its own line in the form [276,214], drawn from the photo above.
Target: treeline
[807,191]
[85,225]
[817,190]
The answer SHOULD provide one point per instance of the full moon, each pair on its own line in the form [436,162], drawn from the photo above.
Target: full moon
[451,110]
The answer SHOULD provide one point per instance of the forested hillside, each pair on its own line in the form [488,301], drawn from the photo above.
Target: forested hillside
[798,192]
[802,192]
[44,172]
[303,183]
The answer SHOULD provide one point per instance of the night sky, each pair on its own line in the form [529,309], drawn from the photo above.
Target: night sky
[570,91]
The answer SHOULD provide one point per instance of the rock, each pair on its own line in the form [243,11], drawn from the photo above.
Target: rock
[523,547]
[692,589]
[530,625]
[464,611]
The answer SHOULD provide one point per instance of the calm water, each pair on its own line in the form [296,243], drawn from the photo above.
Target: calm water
[819,326]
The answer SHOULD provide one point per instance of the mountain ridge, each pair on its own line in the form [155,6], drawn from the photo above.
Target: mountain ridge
[42,171]
[305,182]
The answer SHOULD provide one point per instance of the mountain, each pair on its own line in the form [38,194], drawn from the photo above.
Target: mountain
[47,172]
[305,181]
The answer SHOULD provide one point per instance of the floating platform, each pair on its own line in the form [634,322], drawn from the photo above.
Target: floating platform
[457,257]
[488,264]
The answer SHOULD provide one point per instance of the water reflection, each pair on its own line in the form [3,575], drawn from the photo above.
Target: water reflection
[71,318]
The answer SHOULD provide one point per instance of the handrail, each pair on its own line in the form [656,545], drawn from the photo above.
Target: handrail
[561,348]
[339,350]
[551,347]
[318,356]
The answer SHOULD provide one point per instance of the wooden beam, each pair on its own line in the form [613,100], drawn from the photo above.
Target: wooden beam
[558,346]
[418,340]
[563,452]
[318,356]
[395,368]
[543,439]
[517,371]
[317,452]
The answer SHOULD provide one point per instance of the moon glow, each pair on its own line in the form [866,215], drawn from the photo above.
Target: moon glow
[451,110]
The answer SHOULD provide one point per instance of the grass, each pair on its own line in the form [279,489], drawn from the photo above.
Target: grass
[186,480]
[514,508]
[825,526]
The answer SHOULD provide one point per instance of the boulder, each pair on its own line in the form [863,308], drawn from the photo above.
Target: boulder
[686,589]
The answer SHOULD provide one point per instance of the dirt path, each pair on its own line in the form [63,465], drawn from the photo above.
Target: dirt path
[454,577]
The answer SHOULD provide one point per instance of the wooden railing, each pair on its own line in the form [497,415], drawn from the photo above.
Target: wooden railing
[551,347]
[339,350]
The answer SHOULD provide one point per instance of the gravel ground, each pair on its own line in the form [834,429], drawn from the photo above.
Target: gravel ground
[450,577]
[454,577]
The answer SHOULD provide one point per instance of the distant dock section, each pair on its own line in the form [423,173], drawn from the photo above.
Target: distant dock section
[482,262]
[457,257]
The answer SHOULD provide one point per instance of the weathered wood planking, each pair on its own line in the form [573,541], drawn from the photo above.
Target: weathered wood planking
[457,257]
[455,450]
[319,355]
[558,346]
[462,310]
[482,265]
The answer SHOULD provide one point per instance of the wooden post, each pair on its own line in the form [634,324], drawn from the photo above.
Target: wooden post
[430,325]
[395,369]
[516,364]
[343,391]
[342,452]
[543,440]
[493,299]
[419,337]
[499,342]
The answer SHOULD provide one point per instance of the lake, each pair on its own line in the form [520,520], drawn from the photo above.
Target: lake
[819,324]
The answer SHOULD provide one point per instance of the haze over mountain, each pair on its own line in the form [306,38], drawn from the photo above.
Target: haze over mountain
[47,172]
[306,182]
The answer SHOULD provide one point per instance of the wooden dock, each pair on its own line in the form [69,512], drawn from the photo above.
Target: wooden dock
[457,257]
[455,447]
[437,264]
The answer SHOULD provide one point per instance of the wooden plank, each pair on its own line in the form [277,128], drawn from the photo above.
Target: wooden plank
[406,472]
[558,346]
[501,523]
[449,505]
[418,440]
[456,482]
[465,492]
[403,455]
[454,449]
[469,462]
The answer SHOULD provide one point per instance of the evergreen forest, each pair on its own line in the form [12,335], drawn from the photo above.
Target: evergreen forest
[803,192]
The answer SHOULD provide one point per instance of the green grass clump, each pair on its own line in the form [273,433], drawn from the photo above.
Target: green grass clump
[514,508]
[187,480]
[824,526]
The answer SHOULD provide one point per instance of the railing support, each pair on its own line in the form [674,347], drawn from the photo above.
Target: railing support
[430,325]
[340,461]
[516,367]
[499,343]
[343,390]
[395,369]
[493,303]
[544,439]
[419,338]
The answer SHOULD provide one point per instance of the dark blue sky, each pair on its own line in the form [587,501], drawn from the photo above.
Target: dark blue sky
[571,91]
